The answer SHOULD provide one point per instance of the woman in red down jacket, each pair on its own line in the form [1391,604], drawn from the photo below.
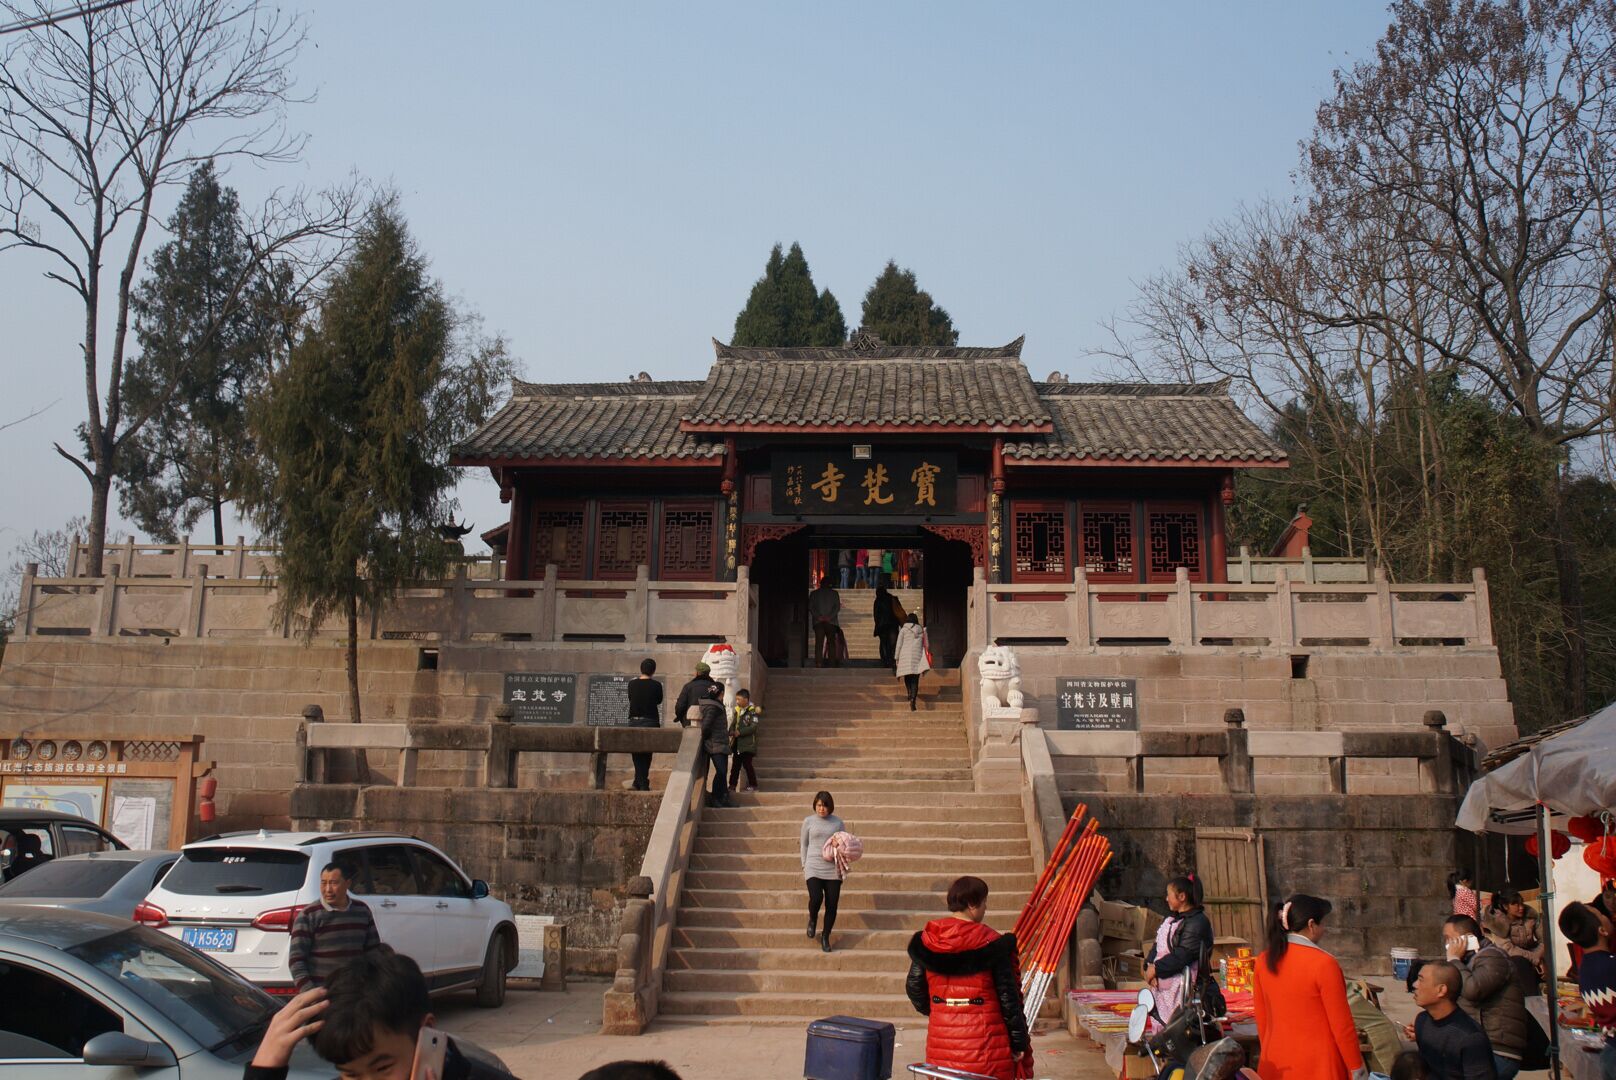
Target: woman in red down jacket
[964,977]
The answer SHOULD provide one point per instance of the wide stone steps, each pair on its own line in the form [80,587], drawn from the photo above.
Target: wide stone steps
[878,860]
[787,958]
[903,782]
[795,917]
[843,774]
[887,841]
[788,1008]
[746,945]
[854,983]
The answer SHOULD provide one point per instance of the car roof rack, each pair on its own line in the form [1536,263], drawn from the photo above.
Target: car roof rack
[327,837]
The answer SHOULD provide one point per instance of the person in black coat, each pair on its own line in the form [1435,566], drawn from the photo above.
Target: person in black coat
[715,741]
[1189,940]
[693,693]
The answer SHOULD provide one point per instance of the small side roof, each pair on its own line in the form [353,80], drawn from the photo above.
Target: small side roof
[1183,423]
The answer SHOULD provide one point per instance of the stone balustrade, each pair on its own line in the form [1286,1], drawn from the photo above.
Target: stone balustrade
[462,609]
[1279,614]
[238,560]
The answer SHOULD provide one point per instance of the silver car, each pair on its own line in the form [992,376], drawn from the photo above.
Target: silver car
[89,995]
[108,882]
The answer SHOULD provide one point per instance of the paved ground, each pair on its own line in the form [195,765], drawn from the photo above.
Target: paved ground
[550,1036]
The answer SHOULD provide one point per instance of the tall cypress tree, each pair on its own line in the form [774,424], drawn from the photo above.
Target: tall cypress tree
[900,312]
[355,478]
[784,309]
[205,336]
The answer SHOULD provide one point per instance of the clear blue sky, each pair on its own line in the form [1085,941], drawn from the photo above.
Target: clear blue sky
[604,181]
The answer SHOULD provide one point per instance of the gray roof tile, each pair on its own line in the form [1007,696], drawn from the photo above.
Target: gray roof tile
[583,420]
[1125,422]
[887,386]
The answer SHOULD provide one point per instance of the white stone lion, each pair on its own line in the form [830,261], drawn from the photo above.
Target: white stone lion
[1001,678]
[724,667]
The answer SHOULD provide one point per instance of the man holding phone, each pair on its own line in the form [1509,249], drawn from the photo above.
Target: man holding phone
[1490,993]
[372,1020]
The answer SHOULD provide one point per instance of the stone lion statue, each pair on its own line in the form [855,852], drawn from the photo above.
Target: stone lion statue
[1001,678]
[725,667]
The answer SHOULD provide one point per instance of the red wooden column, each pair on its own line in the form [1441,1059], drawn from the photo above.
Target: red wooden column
[1218,543]
[519,549]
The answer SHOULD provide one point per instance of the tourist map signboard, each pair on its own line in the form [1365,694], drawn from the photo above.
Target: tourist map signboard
[1096,705]
[540,697]
[892,483]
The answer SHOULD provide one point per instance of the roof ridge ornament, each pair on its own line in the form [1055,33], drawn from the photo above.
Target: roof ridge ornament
[865,340]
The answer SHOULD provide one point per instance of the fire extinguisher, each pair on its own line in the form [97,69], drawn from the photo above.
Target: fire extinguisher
[205,792]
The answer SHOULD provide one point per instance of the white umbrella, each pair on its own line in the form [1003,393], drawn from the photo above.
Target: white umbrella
[1572,774]
[1568,773]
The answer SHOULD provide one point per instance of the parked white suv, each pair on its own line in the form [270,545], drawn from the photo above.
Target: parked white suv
[234,896]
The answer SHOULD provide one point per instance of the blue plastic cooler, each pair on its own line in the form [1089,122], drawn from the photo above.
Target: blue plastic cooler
[848,1048]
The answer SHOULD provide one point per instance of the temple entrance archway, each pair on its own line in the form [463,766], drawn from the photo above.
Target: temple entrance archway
[932,574]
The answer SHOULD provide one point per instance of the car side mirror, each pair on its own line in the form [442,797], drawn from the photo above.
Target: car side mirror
[479,889]
[116,1048]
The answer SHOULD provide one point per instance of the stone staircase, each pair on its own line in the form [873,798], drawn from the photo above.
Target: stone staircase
[858,618]
[902,782]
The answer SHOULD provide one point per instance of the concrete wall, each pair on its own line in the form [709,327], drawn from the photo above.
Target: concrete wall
[1382,861]
[569,854]
[246,698]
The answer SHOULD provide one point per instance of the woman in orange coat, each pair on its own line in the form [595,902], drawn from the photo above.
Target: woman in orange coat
[1303,1020]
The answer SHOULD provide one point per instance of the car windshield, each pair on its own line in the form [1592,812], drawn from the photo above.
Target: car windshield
[227,871]
[68,879]
[213,1004]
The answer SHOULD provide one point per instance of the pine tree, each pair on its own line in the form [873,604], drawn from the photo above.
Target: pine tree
[205,338]
[901,313]
[355,473]
[784,309]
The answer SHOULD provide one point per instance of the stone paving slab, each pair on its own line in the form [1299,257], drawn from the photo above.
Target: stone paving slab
[556,1036]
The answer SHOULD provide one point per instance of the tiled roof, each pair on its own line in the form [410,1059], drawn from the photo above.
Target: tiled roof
[886,386]
[1140,422]
[590,420]
[986,390]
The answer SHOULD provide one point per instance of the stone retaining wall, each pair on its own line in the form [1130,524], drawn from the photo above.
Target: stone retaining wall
[569,854]
[1382,861]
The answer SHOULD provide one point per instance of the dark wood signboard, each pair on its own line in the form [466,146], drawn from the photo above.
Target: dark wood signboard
[1096,705]
[608,700]
[891,483]
[541,697]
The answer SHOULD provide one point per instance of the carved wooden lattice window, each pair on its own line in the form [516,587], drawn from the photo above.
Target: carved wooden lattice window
[689,541]
[622,539]
[1038,541]
[558,537]
[1174,538]
[1106,533]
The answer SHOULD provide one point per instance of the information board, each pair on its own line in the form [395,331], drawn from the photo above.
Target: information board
[540,697]
[1096,705]
[608,700]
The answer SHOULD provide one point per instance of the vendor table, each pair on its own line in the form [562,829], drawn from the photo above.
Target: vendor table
[1103,1014]
[1579,1050]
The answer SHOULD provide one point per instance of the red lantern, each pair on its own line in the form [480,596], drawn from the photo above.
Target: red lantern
[1586,829]
[1559,844]
[1601,856]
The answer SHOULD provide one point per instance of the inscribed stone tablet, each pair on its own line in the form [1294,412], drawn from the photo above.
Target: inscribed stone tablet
[540,697]
[1096,705]
[608,700]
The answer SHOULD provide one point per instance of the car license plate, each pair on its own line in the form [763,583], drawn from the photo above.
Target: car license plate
[210,938]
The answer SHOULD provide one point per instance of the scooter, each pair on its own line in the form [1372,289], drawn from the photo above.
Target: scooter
[1192,1047]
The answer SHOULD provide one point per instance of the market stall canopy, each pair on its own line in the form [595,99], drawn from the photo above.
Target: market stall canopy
[1572,772]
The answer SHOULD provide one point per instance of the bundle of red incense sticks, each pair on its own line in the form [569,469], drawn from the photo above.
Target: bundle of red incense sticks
[1045,924]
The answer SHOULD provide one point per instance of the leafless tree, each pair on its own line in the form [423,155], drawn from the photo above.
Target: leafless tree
[99,114]
[1495,121]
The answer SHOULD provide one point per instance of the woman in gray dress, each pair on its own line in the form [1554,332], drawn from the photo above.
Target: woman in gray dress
[824,882]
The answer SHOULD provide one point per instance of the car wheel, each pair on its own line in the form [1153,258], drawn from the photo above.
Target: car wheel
[491,990]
